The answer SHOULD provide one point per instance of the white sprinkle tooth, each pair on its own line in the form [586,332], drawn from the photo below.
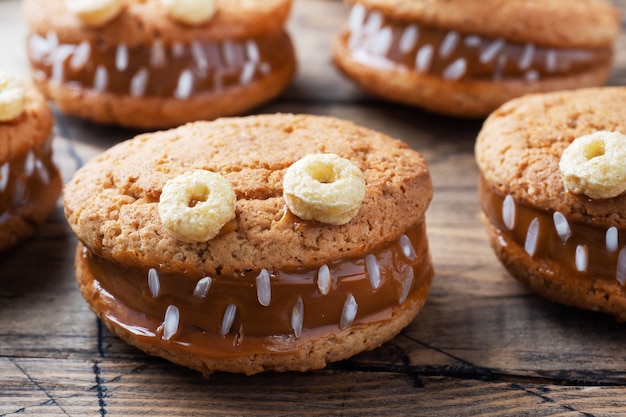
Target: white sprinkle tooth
[228,319]
[158,56]
[582,258]
[374,23]
[53,40]
[449,44]
[612,239]
[472,41]
[100,79]
[381,42]
[154,284]
[297,317]
[202,288]
[456,70]
[490,52]
[562,226]
[531,76]
[247,73]
[527,57]
[4,176]
[324,279]
[139,83]
[29,163]
[228,49]
[59,56]
[252,51]
[508,212]
[199,57]
[348,313]
[178,49]
[424,58]
[171,322]
[373,270]
[407,247]
[263,288]
[265,68]
[42,171]
[357,17]
[185,85]
[38,47]
[121,57]
[407,283]
[532,235]
[408,40]
[81,56]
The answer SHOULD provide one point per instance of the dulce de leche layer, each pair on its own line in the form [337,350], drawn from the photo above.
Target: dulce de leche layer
[378,41]
[24,178]
[177,70]
[264,311]
[548,236]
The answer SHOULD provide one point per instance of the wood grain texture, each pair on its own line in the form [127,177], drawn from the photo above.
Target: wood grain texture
[483,345]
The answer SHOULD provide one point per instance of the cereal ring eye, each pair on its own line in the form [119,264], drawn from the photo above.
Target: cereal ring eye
[194,206]
[94,12]
[190,12]
[595,165]
[11,98]
[325,188]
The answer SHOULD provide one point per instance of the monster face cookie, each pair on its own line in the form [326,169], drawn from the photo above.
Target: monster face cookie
[158,63]
[29,181]
[466,58]
[552,182]
[278,242]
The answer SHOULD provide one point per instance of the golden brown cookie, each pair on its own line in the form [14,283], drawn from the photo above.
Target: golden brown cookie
[271,291]
[570,248]
[29,181]
[466,58]
[146,68]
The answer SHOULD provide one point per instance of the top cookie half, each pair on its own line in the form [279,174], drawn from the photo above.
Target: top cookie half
[111,203]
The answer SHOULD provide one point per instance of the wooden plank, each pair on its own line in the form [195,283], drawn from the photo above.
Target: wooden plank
[112,387]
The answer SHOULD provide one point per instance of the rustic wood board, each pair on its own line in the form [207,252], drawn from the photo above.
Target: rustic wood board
[483,345]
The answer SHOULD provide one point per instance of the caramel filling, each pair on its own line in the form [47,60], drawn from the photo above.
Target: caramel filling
[164,70]
[22,178]
[262,311]
[582,249]
[385,43]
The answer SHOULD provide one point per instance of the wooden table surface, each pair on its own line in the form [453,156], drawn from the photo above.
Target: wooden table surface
[483,344]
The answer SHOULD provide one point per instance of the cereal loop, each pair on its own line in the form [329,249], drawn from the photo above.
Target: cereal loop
[325,188]
[94,13]
[190,12]
[595,165]
[195,205]
[11,98]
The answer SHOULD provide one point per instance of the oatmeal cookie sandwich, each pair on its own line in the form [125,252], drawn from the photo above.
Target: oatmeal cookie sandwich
[553,194]
[30,183]
[276,242]
[158,63]
[465,58]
